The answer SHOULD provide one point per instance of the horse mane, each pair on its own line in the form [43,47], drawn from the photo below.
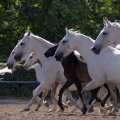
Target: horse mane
[91,39]
[42,40]
[116,22]
[78,33]
[74,31]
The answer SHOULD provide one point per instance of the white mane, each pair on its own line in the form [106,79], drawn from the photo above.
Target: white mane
[74,31]
[117,24]
[42,40]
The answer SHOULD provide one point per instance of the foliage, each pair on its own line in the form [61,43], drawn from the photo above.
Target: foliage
[19,74]
[48,18]
[19,89]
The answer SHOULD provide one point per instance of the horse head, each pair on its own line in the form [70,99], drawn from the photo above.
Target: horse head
[108,36]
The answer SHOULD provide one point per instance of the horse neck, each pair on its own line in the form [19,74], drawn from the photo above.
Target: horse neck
[37,67]
[118,37]
[83,46]
[40,47]
[116,29]
[25,57]
[38,71]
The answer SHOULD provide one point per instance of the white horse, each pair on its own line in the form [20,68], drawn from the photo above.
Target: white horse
[52,70]
[102,93]
[99,66]
[110,34]
[11,63]
[31,63]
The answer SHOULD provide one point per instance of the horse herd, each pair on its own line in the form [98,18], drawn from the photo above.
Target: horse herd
[92,66]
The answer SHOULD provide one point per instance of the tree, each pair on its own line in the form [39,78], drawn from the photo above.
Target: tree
[48,19]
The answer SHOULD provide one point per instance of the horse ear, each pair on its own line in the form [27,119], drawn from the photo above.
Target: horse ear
[107,22]
[66,30]
[104,22]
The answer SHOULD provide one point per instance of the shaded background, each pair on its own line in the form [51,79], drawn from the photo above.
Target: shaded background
[48,19]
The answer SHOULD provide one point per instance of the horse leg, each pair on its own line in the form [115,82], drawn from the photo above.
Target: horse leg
[92,85]
[93,96]
[66,85]
[103,108]
[42,99]
[79,102]
[79,88]
[114,98]
[27,107]
[53,92]
[45,103]
[118,94]
[110,106]
[36,92]
[106,97]
[69,96]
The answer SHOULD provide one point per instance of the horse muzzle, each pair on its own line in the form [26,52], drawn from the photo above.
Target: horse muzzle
[10,66]
[25,67]
[58,56]
[18,57]
[96,49]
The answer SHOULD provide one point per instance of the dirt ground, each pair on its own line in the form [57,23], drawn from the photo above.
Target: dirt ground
[11,109]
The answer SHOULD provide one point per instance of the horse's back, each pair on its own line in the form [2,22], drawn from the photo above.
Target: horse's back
[106,65]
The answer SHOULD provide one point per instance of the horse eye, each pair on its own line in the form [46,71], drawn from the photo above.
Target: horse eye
[104,33]
[64,41]
[22,43]
[31,57]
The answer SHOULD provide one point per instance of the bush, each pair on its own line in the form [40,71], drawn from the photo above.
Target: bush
[20,89]
[17,89]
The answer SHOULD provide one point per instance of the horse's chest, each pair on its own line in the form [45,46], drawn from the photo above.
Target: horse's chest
[82,73]
[70,75]
[74,76]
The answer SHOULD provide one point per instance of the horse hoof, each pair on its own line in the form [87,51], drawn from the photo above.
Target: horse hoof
[91,110]
[69,103]
[46,104]
[104,111]
[65,106]
[26,109]
[101,109]
[112,114]
[60,110]
[52,110]
[36,109]
[84,110]
[110,108]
